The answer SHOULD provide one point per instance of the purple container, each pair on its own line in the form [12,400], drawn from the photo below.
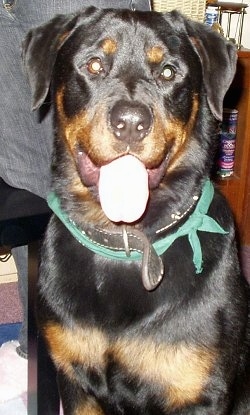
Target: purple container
[226,155]
[229,123]
[227,144]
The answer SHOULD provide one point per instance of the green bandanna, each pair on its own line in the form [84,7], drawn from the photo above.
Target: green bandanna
[197,221]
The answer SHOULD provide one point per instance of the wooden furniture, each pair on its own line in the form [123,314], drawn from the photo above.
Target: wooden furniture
[237,187]
[230,9]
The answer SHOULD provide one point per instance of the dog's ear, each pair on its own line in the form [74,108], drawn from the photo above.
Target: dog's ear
[218,58]
[39,51]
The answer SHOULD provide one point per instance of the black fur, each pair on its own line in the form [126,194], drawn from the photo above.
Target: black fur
[182,348]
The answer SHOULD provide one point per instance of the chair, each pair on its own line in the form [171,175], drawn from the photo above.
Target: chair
[23,220]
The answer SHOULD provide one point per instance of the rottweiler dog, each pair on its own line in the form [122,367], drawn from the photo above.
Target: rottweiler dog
[141,300]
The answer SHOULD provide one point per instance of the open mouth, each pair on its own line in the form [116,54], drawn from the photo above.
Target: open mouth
[123,185]
[90,173]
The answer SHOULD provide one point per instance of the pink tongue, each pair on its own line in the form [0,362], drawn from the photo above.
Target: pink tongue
[123,189]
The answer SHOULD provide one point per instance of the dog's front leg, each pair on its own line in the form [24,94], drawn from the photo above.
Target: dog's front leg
[75,400]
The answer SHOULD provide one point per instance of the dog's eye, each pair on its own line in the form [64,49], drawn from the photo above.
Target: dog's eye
[168,72]
[95,66]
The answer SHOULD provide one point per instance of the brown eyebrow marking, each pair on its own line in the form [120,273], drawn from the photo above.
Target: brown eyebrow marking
[155,54]
[109,46]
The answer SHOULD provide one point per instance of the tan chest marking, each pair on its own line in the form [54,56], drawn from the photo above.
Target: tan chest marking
[83,346]
[181,371]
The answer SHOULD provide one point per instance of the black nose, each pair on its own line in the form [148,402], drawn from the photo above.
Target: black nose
[130,121]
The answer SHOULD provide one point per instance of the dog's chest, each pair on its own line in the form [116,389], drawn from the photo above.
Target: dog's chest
[178,372]
[125,364]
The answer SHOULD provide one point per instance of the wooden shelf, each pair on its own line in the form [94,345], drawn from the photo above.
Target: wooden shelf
[237,187]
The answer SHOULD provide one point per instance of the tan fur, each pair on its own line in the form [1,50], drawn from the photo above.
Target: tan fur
[109,46]
[90,407]
[155,54]
[84,346]
[180,133]
[179,371]
[182,370]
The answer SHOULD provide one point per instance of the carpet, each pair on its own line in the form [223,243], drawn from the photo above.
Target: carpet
[10,307]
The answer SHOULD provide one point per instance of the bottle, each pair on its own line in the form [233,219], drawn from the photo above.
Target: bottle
[211,15]
[227,141]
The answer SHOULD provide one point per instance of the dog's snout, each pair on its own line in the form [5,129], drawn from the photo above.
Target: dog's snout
[130,121]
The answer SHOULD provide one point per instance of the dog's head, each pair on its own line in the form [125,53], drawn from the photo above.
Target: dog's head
[136,96]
